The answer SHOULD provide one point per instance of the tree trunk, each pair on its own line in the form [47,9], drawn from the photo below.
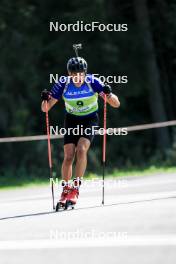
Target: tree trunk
[164,59]
[151,68]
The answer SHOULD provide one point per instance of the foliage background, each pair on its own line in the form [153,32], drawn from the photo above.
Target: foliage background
[146,53]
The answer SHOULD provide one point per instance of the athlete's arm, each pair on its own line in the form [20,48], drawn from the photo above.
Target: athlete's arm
[48,104]
[51,98]
[103,89]
[113,100]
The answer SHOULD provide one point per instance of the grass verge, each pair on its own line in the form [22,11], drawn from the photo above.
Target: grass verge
[7,181]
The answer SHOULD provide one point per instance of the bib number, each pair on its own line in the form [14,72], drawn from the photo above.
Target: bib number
[79,103]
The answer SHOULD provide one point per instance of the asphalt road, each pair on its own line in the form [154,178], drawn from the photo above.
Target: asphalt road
[137,224]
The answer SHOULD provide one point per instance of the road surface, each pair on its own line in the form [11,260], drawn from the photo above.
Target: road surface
[137,224]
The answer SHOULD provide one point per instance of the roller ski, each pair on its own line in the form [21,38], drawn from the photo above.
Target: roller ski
[74,194]
[62,204]
[69,196]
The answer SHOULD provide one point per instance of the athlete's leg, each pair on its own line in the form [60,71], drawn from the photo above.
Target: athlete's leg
[81,156]
[69,153]
[81,162]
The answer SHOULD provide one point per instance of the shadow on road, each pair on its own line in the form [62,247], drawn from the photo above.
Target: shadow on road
[25,215]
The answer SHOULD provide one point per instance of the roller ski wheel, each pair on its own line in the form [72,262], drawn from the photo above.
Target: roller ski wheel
[69,205]
[60,206]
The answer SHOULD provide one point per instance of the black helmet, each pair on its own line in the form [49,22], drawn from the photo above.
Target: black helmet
[77,64]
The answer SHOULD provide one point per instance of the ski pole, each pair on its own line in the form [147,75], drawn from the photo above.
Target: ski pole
[104,146]
[49,153]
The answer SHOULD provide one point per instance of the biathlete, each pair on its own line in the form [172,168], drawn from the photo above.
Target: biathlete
[79,91]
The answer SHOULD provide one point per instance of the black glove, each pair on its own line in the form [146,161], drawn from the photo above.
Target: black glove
[107,89]
[45,95]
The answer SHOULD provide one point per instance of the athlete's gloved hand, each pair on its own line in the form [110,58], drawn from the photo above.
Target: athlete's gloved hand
[107,89]
[45,95]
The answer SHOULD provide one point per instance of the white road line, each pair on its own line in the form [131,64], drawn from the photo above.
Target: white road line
[140,241]
[24,198]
